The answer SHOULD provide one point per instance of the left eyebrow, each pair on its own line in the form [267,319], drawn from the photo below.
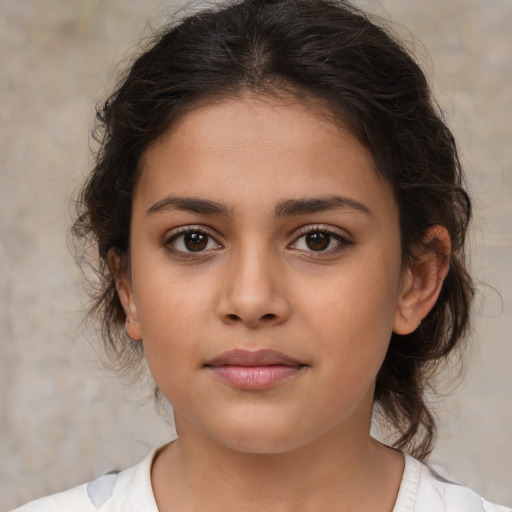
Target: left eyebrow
[190,204]
[292,207]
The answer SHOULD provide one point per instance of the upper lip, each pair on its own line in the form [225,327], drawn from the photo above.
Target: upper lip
[250,358]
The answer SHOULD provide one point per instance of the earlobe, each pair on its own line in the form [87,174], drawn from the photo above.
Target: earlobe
[423,279]
[125,293]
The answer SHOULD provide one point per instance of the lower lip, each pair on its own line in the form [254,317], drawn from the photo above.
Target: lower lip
[255,377]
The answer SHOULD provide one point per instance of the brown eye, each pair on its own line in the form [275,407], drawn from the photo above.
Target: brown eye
[318,241]
[195,241]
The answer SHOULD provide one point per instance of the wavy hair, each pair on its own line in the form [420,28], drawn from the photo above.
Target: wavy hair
[329,51]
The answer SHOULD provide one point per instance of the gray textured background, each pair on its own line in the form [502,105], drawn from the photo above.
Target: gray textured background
[63,418]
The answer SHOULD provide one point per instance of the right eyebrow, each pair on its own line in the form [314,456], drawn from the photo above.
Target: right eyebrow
[189,204]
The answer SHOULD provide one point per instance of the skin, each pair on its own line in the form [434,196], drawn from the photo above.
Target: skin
[302,444]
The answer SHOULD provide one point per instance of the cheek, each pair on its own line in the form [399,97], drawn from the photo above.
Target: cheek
[172,315]
[363,298]
[355,313]
[170,301]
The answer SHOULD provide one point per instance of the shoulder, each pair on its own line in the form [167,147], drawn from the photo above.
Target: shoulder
[75,499]
[423,490]
[129,491]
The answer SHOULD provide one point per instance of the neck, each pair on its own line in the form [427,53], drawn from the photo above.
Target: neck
[338,472]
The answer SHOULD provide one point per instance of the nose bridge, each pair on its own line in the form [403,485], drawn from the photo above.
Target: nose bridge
[252,291]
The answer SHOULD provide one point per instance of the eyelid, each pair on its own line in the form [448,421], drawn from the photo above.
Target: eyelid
[173,234]
[344,238]
[322,228]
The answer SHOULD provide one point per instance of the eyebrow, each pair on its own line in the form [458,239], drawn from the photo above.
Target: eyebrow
[286,208]
[190,204]
[292,207]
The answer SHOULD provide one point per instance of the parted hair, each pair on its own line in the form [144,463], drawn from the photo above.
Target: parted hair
[328,51]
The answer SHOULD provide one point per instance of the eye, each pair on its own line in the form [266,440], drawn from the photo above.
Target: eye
[192,240]
[320,240]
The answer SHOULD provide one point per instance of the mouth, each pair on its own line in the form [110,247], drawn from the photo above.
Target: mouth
[254,370]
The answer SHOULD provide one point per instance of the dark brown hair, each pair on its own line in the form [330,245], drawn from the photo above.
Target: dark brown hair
[329,51]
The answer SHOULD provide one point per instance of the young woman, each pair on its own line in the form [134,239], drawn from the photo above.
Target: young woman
[280,219]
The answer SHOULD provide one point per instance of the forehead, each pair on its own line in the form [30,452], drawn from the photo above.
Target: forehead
[274,146]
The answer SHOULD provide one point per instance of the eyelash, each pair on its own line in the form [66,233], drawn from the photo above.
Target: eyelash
[192,230]
[342,241]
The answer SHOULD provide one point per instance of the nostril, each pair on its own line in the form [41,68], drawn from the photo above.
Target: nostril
[250,319]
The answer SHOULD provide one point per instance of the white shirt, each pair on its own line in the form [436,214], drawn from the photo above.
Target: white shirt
[130,491]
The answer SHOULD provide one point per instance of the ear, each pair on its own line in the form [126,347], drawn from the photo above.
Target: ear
[423,280]
[124,288]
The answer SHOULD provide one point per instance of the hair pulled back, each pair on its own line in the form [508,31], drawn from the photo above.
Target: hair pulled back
[329,51]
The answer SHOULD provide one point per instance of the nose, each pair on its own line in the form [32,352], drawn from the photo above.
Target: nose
[253,291]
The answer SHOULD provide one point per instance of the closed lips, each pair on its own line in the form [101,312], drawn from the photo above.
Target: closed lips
[256,370]
[257,358]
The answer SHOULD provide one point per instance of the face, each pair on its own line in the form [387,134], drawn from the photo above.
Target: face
[265,275]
